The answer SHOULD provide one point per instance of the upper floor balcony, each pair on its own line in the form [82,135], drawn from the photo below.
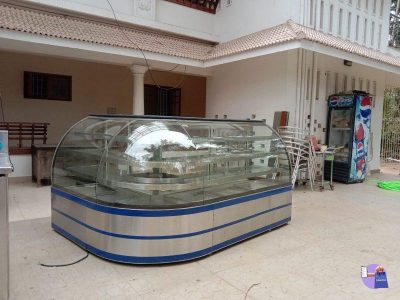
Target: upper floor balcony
[209,6]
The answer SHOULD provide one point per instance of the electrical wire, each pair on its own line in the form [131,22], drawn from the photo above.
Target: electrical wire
[67,264]
[120,27]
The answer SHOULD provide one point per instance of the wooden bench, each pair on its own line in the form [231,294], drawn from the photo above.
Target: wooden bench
[22,135]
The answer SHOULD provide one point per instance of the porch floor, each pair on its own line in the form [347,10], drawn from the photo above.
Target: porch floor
[317,256]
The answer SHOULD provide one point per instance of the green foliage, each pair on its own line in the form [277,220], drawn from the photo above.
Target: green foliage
[394,25]
[390,143]
[391,106]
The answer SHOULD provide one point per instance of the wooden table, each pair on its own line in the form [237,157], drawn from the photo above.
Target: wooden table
[42,157]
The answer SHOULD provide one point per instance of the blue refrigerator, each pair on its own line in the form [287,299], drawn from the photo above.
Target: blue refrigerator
[349,122]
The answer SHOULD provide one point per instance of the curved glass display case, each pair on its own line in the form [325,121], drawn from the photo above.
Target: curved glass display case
[141,189]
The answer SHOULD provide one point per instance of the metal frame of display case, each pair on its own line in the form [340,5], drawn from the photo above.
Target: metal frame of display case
[164,232]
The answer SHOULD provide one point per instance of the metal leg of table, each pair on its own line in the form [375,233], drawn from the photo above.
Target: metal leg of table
[4,240]
[323,173]
[331,181]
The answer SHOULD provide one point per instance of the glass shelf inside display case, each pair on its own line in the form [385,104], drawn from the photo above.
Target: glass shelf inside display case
[150,162]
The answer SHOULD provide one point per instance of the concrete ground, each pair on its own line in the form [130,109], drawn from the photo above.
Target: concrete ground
[317,256]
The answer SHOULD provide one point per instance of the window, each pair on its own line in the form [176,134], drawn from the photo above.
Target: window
[308,91]
[360,84]
[327,84]
[373,88]
[379,36]
[349,25]
[357,27]
[374,6]
[331,18]
[381,9]
[344,83]
[358,3]
[340,22]
[353,83]
[209,6]
[47,86]
[311,12]
[318,83]
[372,33]
[368,86]
[321,15]
[366,4]
[336,83]
[365,30]
[164,101]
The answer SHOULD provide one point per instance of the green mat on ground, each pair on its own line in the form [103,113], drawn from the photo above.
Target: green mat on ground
[390,185]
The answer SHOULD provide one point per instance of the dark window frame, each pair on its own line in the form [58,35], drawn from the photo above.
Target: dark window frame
[162,101]
[209,6]
[53,86]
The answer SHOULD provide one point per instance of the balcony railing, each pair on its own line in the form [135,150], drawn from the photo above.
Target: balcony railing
[394,31]
[209,6]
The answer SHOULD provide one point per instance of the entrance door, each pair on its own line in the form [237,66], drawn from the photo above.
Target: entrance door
[163,101]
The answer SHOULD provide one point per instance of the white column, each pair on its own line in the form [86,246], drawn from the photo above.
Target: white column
[138,72]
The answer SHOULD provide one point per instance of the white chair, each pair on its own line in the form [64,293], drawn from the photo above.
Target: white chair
[301,154]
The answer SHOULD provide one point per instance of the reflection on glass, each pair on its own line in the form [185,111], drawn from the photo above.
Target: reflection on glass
[149,163]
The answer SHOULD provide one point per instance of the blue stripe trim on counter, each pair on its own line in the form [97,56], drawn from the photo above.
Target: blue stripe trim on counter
[169,258]
[167,212]
[164,237]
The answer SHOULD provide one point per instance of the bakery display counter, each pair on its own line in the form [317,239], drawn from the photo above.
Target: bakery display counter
[148,190]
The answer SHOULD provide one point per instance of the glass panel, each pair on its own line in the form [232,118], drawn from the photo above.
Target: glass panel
[78,156]
[340,132]
[250,159]
[149,160]
[153,163]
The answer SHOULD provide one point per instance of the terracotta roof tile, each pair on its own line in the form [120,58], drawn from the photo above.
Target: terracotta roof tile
[79,29]
[291,31]
[268,37]
[67,27]
[345,45]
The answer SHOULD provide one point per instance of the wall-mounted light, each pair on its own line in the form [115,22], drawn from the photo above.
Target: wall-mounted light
[347,63]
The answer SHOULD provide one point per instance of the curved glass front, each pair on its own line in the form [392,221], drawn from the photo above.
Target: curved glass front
[144,162]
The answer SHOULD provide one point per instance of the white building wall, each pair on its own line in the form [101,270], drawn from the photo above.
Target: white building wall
[372,80]
[157,14]
[372,17]
[267,84]
[243,17]
[236,18]
[258,86]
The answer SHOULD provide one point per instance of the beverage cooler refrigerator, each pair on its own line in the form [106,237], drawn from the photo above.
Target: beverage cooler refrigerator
[349,121]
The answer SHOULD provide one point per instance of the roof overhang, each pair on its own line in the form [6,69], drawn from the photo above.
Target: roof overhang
[42,32]
[79,50]
[307,45]
[253,53]
[45,45]
[322,49]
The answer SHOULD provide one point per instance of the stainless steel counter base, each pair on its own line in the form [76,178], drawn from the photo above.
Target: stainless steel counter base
[152,236]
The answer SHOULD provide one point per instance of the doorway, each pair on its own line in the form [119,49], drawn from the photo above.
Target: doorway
[162,101]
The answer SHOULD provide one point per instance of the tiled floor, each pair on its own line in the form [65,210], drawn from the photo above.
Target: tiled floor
[317,256]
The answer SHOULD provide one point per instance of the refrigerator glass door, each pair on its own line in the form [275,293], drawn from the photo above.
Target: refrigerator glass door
[340,132]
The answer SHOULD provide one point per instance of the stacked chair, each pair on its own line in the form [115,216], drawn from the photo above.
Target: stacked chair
[301,153]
